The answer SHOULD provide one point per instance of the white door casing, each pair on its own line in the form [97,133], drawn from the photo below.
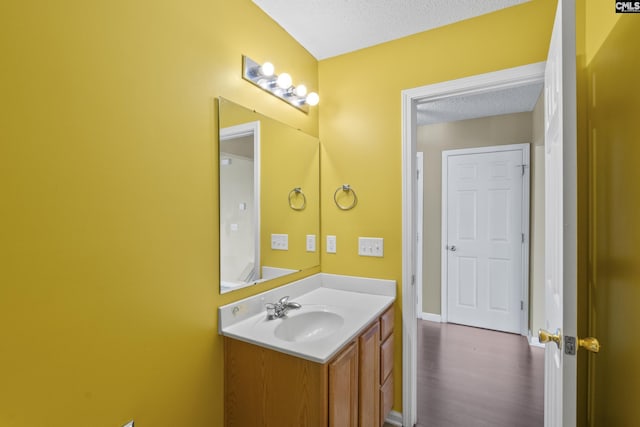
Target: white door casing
[419,230]
[485,213]
[561,217]
[496,80]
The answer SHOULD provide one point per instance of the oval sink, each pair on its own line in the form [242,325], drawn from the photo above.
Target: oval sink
[310,326]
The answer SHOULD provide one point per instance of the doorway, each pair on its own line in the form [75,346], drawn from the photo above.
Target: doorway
[511,79]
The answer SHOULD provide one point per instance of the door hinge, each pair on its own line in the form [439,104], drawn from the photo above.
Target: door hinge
[522,237]
[413,280]
[417,174]
[521,305]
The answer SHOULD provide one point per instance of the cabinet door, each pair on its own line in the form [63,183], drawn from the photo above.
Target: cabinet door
[343,388]
[386,399]
[369,378]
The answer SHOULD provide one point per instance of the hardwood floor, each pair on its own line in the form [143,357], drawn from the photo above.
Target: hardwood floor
[477,377]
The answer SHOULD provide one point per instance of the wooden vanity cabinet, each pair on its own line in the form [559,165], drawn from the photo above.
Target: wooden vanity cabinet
[266,388]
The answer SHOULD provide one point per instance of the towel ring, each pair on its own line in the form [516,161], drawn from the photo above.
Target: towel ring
[294,194]
[347,189]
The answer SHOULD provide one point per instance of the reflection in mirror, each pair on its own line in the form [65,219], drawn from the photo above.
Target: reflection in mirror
[267,170]
[239,203]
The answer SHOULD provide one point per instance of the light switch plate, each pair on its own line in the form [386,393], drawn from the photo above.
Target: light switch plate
[280,242]
[311,242]
[331,244]
[371,246]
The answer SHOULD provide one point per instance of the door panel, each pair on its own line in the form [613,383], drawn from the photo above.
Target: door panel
[484,211]
[560,217]
[615,227]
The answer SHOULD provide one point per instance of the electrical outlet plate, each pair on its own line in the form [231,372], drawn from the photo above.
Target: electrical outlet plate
[331,244]
[280,242]
[371,246]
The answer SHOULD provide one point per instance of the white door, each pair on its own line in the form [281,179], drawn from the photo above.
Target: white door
[560,218]
[485,235]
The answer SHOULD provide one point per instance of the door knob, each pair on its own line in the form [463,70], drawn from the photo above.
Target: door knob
[590,344]
[453,248]
[546,336]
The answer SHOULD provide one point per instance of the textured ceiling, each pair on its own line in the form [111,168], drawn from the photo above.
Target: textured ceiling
[329,28]
[505,101]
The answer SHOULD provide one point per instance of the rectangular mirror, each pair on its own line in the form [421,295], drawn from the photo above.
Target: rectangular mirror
[269,198]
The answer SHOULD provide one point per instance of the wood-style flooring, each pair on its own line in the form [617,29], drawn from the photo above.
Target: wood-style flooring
[471,377]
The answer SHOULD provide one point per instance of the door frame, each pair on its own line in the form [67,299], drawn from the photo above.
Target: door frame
[524,280]
[251,129]
[419,230]
[508,78]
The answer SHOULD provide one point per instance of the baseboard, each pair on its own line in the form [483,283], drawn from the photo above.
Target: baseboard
[430,317]
[394,418]
[535,342]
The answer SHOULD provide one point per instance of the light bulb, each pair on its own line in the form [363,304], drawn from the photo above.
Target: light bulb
[267,69]
[300,90]
[284,81]
[313,99]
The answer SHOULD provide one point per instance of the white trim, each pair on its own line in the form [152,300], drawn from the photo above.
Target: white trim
[444,267]
[419,228]
[250,129]
[409,324]
[394,418]
[430,317]
[512,77]
[535,342]
[526,247]
[526,212]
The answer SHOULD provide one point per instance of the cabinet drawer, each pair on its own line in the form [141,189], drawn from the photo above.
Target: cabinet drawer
[386,359]
[386,399]
[386,324]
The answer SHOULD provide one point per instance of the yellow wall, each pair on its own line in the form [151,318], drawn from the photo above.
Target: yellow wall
[108,204]
[360,125]
[614,274]
[601,18]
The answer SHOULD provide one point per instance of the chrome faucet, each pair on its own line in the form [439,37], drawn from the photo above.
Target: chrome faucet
[280,309]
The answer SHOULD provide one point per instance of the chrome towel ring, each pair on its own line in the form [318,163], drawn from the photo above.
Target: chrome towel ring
[346,188]
[294,195]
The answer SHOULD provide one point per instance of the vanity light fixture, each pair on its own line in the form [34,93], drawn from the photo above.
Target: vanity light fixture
[281,85]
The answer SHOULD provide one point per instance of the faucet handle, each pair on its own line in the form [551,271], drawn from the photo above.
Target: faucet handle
[284,300]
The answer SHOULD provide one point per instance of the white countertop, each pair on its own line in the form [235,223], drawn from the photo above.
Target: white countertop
[357,300]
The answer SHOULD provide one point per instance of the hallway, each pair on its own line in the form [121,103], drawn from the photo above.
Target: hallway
[477,377]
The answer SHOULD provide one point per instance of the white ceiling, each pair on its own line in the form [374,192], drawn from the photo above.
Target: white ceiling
[329,28]
[505,101]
